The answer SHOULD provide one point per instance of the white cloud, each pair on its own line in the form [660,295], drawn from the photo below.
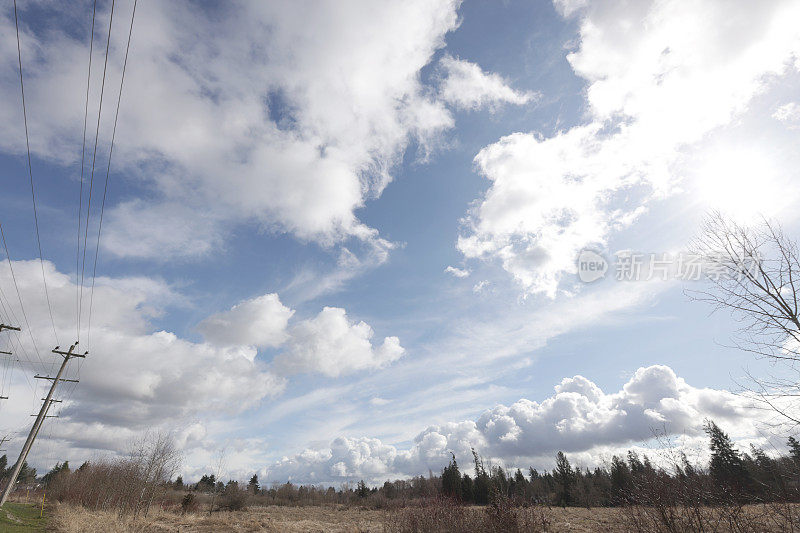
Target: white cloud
[139,229]
[284,114]
[480,286]
[134,377]
[457,272]
[329,343]
[333,345]
[137,378]
[378,401]
[466,86]
[789,114]
[259,322]
[579,417]
[661,76]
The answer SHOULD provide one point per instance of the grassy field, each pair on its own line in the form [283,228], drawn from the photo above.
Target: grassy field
[21,517]
[69,519]
[18,517]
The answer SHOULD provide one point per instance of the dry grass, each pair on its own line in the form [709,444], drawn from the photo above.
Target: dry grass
[419,519]
[69,519]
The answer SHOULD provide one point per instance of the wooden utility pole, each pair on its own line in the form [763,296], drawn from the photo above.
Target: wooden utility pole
[40,418]
[4,397]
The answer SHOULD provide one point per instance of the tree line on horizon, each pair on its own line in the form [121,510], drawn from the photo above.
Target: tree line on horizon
[730,476]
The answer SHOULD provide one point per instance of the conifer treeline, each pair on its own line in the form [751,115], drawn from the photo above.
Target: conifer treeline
[730,476]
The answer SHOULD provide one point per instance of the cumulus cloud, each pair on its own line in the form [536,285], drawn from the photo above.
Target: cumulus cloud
[333,345]
[260,322]
[656,84]
[789,114]
[135,377]
[288,115]
[465,85]
[578,417]
[457,272]
[329,343]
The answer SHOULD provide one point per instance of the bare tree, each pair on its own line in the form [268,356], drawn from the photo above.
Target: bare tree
[754,272]
[219,467]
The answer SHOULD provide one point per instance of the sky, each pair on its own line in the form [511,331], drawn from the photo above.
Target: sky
[340,239]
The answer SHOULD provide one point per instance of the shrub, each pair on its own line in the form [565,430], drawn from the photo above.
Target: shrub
[233,498]
[188,503]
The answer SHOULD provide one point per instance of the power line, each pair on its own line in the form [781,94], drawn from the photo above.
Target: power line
[19,296]
[69,354]
[108,170]
[80,196]
[4,311]
[9,312]
[30,174]
[94,157]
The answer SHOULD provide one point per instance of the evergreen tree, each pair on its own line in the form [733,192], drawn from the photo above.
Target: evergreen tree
[451,479]
[26,474]
[519,485]
[55,471]
[794,449]
[179,483]
[727,466]
[499,481]
[481,484]
[620,479]
[637,467]
[362,490]
[206,484]
[3,465]
[565,479]
[467,489]
[253,485]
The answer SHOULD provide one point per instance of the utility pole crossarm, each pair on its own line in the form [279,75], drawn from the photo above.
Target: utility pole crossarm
[5,353]
[37,376]
[5,326]
[69,353]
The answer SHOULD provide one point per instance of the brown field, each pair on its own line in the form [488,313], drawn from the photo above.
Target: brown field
[69,519]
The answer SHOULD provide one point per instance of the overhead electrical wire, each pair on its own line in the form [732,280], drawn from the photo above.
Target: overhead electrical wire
[108,169]
[94,158]
[80,195]
[30,175]
[80,264]
[19,296]
[7,311]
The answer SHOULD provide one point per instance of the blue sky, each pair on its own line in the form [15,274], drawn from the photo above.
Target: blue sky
[340,239]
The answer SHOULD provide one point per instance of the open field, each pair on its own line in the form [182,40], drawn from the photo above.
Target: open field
[69,519]
[22,517]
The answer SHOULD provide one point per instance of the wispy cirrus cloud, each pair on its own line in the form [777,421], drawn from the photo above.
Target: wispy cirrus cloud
[466,86]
